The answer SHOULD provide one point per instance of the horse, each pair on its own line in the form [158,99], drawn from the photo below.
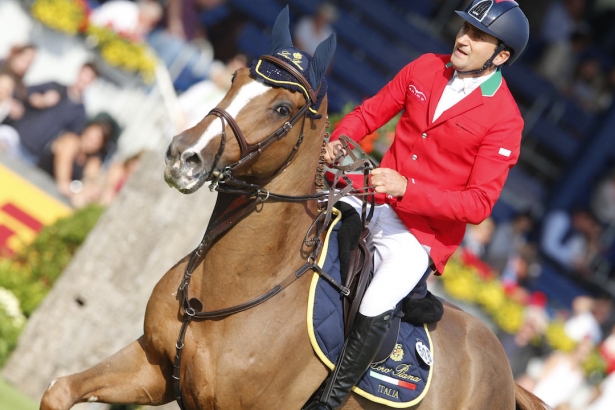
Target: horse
[242,343]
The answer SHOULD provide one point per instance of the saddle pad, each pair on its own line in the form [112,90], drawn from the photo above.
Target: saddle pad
[402,380]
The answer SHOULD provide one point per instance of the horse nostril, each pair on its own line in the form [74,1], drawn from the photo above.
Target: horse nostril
[169,153]
[192,159]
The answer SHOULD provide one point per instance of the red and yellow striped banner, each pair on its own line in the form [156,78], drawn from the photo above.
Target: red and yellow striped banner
[24,210]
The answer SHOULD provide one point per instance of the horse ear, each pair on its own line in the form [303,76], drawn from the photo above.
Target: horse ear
[322,57]
[280,35]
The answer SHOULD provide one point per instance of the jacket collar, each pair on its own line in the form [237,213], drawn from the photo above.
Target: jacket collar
[487,89]
[491,86]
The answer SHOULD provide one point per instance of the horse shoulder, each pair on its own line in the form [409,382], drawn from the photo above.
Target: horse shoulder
[161,326]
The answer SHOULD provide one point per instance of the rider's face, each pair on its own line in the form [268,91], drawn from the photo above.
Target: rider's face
[473,48]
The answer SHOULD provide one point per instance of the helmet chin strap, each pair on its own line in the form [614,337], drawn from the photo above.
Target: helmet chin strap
[487,64]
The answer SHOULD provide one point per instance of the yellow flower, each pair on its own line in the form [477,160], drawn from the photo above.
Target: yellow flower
[491,296]
[509,317]
[67,16]
[557,338]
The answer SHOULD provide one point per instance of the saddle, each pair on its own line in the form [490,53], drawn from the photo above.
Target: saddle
[356,268]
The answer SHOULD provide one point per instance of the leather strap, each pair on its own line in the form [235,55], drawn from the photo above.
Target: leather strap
[295,73]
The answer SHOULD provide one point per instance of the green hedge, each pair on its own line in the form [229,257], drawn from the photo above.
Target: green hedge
[31,273]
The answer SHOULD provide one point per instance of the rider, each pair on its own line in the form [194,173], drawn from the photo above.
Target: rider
[458,136]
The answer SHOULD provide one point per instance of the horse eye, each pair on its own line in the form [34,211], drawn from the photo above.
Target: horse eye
[282,111]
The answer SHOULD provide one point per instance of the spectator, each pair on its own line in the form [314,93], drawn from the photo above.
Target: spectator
[562,20]
[116,176]
[312,30]
[562,375]
[571,240]
[603,309]
[607,350]
[603,199]
[526,344]
[583,323]
[508,239]
[183,17]
[477,237]
[201,97]
[73,159]
[520,270]
[133,20]
[587,84]
[53,109]
[17,64]
[607,91]
[9,140]
[606,395]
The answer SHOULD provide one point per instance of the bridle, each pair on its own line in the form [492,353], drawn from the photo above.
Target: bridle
[249,152]
[247,196]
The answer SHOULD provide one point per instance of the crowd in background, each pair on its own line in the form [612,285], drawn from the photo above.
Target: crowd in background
[511,253]
[572,45]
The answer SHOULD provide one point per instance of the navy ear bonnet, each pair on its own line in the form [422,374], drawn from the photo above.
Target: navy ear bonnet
[311,68]
[274,76]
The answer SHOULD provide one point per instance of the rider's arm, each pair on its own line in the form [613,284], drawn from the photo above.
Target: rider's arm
[377,110]
[498,153]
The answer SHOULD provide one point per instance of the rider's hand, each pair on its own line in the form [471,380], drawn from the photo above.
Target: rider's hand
[331,151]
[388,181]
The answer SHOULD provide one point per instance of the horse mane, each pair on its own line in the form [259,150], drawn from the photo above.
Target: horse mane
[319,181]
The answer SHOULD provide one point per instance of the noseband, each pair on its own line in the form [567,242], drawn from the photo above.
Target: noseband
[249,152]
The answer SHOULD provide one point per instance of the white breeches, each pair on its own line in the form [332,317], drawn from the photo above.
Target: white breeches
[399,260]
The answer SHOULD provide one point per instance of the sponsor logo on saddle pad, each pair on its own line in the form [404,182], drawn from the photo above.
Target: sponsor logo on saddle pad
[398,353]
[392,381]
[424,352]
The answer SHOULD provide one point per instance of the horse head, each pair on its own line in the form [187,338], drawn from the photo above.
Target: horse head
[264,112]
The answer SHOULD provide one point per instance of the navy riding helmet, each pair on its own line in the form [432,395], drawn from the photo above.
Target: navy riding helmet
[503,19]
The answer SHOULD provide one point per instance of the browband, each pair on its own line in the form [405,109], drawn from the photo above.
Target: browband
[296,73]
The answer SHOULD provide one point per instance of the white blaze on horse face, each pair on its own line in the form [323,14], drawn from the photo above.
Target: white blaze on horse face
[247,92]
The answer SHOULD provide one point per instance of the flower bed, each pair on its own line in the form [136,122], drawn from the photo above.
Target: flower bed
[26,278]
[471,284]
[72,18]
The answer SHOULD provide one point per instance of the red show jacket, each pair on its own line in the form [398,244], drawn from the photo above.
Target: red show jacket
[456,166]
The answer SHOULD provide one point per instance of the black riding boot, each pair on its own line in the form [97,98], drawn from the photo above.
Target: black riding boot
[359,351]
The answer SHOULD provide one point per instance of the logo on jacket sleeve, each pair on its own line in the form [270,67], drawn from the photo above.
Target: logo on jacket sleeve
[417,93]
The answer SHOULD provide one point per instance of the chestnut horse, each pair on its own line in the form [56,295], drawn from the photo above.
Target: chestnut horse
[257,354]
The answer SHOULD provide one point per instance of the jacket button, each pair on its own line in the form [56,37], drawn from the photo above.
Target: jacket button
[414,157]
[424,135]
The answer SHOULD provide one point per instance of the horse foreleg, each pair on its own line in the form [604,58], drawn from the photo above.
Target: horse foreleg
[132,375]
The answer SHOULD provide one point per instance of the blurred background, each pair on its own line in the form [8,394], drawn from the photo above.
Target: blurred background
[91,93]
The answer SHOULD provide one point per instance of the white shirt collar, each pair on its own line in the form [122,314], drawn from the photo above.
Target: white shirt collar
[467,85]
